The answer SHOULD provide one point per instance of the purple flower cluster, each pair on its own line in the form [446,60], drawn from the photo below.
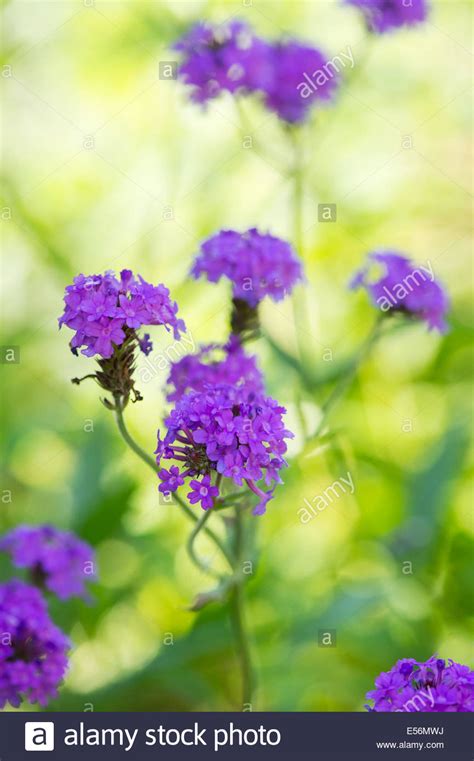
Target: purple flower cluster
[301,76]
[104,310]
[257,265]
[57,560]
[405,287]
[232,58]
[224,430]
[431,687]
[196,371]
[33,651]
[384,15]
[227,57]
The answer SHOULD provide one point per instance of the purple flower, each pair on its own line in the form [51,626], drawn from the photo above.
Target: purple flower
[291,76]
[105,311]
[301,76]
[429,687]
[196,371]
[56,559]
[257,265]
[33,658]
[171,479]
[229,430]
[203,492]
[384,15]
[145,344]
[405,287]
[225,58]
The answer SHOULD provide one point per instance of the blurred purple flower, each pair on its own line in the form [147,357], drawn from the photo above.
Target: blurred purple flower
[227,430]
[291,76]
[385,15]
[56,559]
[228,58]
[105,311]
[33,658]
[195,371]
[300,76]
[429,687]
[257,265]
[405,287]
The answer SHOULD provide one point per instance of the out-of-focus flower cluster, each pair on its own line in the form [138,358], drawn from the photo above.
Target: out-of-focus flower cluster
[227,431]
[105,310]
[385,15]
[231,57]
[214,364]
[257,265]
[432,686]
[33,650]
[404,287]
[56,559]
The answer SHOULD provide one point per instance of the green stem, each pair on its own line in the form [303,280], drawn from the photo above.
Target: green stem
[198,562]
[238,617]
[346,380]
[298,299]
[152,464]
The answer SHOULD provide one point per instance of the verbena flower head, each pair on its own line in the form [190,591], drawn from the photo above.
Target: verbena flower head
[300,77]
[104,311]
[257,265]
[223,430]
[404,287]
[385,15]
[214,364]
[432,687]
[228,57]
[33,651]
[56,559]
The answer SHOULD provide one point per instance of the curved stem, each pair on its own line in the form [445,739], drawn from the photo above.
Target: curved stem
[148,459]
[198,562]
[238,618]
[152,464]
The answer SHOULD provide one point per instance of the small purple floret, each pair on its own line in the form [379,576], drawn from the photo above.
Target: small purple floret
[202,491]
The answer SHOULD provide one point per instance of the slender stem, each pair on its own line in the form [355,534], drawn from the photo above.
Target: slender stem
[201,564]
[238,617]
[346,380]
[148,459]
[298,299]
[152,464]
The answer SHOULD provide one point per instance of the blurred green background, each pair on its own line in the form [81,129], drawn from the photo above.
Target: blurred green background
[107,166]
